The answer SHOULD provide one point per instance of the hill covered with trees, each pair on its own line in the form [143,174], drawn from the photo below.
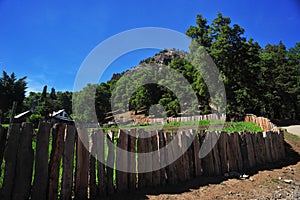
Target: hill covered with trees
[261,80]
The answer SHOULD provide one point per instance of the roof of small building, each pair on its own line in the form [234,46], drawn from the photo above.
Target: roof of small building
[23,114]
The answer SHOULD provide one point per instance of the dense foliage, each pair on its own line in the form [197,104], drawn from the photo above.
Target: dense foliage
[263,81]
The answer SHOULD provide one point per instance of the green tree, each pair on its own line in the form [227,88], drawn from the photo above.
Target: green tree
[11,89]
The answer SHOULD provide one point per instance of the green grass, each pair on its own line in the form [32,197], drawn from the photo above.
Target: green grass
[228,127]
[5,125]
[292,137]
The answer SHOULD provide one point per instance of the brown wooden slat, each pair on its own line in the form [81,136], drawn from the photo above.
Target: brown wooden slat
[174,166]
[81,185]
[155,162]
[216,154]
[223,145]
[68,163]
[110,159]
[239,157]
[148,160]
[207,161]
[3,135]
[24,167]
[132,160]
[92,168]
[170,169]
[196,157]
[162,157]
[250,151]
[141,159]
[122,161]
[102,179]
[39,190]
[54,166]
[267,142]
[10,157]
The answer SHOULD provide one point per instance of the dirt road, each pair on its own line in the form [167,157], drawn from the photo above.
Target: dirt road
[293,129]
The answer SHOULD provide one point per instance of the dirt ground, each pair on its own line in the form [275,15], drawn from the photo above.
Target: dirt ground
[278,181]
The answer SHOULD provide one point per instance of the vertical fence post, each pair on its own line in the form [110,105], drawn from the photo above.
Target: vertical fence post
[2,144]
[68,163]
[102,179]
[81,186]
[92,168]
[39,190]
[132,159]
[122,161]
[24,166]
[110,159]
[58,133]
[10,157]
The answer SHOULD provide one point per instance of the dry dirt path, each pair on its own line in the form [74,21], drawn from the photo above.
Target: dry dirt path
[295,129]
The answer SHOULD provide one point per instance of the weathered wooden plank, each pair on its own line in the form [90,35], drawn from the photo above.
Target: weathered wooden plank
[244,151]
[216,154]
[155,147]
[162,157]
[132,181]
[267,142]
[261,150]
[239,157]
[281,144]
[207,161]
[102,178]
[3,132]
[39,190]
[81,185]
[223,145]
[92,165]
[250,151]
[10,157]
[176,149]
[141,159]
[185,155]
[110,160]
[68,163]
[122,161]
[54,166]
[196,157]
[148,160]
[24,167]
[170,169]
[190,153]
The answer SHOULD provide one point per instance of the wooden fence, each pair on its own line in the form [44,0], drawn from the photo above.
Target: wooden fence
[264,123]
[57,165]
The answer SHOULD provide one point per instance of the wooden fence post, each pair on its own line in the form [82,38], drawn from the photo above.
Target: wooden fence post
[163,157]
[58,133]
[196,156]
[102,179]
[10,157]
[110,159]
[122,160]
[132,160]
[148,160]
[81,186]
[68,163]
[39,190]
[141,159]
[92,165]
[22,185]
[2,143]
[155,162]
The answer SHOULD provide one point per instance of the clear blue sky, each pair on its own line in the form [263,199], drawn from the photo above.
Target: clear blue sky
[48,40]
